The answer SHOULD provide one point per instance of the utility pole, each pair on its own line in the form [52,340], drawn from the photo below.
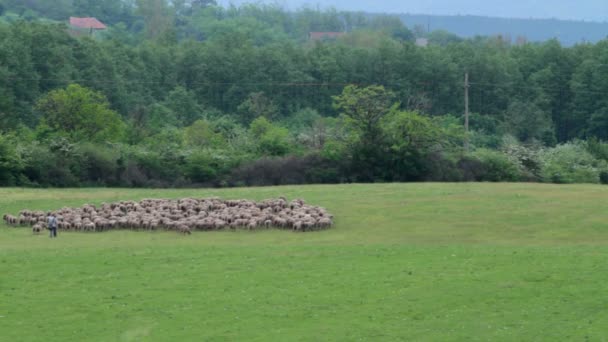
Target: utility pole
[466,112]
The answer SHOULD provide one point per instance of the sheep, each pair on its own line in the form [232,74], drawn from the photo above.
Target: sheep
[89,226]
[183,229]
[11,220]
[37,228]
[199,214]
[324,222]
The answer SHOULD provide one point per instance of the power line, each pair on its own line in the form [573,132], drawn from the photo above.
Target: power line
[421,86]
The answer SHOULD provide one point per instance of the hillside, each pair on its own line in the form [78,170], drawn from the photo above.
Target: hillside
[536,30]
[211,96]
[596,10]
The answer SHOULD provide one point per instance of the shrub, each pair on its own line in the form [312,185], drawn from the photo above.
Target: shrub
[527,158]
[202,134]
[302,119]
[442,167]
[275,142]
[471,168]
[51,165]
[286,170]
[597,148]
[272,140]
[99,164]
[571,163]
[207,166]
[11,164]
[492,166]
[81,114]
[604,177]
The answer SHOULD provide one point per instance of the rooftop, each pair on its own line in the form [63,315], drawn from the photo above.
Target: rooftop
[87,23]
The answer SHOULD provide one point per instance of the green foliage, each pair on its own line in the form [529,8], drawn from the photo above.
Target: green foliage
[443,38]
[365,108]
[412,131]
[260,126]
[56,164]
[185,106]
[411,137]
[528,158]
[100,164]
[393,26]
[303,119]
[80,114]
[247,83]
[571,163]
[272,140]
[167,138]
[257,105]
[496,166]
[202,134]
[275,142]
[334,150]
[203,166]
[598,148]
[157,17]
[160,117]
[11,164]
[529,123]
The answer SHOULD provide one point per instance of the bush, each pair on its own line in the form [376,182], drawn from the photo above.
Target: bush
[99,164]
[492,166]
[286,170]
[571,163]
[597,148]
[302,119]
[527,158]
[442,167]
[208,166]
[11,164]
[52,166]
[471,168]
[604,177]
[272,140]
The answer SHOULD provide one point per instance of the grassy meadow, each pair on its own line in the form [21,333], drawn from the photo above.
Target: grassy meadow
[428,262]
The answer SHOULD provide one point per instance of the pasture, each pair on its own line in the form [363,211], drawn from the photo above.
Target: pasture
[436,262]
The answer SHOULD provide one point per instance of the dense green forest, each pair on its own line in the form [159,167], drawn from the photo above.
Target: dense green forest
[187,92]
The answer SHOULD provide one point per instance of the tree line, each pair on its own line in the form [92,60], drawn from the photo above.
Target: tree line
[189,93]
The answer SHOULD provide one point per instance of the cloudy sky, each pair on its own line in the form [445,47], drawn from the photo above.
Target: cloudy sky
[596,10]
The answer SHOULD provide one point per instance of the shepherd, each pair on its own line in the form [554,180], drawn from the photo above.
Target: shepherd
[52,225]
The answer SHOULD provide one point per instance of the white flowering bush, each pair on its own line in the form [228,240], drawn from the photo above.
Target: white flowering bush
[570,163]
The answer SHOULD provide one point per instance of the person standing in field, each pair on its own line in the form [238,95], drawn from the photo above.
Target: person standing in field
[52,225]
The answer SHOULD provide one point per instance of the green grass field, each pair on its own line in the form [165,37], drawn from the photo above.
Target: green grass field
[430,262]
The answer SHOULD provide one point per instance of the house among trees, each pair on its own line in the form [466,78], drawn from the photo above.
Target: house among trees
[314,36]
[84,26]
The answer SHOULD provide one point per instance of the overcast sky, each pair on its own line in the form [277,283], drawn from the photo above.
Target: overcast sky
[596,10]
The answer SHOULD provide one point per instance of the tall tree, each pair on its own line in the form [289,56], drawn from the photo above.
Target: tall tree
[80,114]
[364,108]
[157,17]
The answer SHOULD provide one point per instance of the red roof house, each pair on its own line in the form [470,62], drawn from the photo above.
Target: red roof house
[87,23]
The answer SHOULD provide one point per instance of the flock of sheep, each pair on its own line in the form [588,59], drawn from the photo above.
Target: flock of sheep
[184,216]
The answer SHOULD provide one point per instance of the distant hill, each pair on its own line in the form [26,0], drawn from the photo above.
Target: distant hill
[566,31]
[596,10]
